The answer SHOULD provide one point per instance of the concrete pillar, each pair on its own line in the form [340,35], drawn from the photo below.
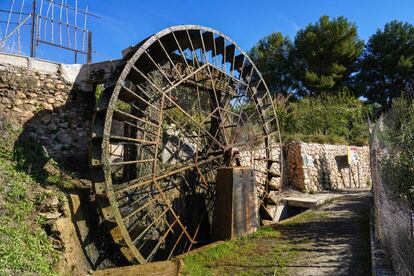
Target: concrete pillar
[235,206]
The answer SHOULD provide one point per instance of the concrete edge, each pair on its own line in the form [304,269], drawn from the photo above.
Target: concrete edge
[316,207]
[325,201]
[171,267]
[68,71]
[86,76]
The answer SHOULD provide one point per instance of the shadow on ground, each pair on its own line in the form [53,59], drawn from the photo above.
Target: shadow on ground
[334,242]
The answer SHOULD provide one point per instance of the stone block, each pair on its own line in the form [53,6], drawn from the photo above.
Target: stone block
[47,106]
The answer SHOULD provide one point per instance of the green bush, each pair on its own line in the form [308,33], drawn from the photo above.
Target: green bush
[397,168]
[336,119]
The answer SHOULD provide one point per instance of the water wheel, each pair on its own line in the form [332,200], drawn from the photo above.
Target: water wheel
[183,103]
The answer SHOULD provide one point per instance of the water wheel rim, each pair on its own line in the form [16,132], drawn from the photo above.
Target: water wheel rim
[128,247]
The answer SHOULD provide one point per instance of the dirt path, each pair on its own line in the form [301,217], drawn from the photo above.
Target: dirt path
[335,241]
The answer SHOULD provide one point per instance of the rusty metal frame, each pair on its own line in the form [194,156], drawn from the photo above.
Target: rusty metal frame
[189,67]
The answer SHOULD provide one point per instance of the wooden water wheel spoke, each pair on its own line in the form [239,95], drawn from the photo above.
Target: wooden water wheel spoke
[174,110]
[120,188]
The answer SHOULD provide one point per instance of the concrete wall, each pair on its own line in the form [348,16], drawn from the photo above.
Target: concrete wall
[317,167]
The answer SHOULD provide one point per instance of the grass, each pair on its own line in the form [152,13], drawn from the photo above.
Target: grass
[272,249]
[30,157]
[25,248]
[304,217]
[266,251]
[24,245]
[262,252]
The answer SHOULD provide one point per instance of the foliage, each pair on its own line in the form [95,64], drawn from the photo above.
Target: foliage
[336,119]
[271,56]
[24,245]
[8,134]
[319,69]
[120,105]
[398,138]
[325,55]
[98,91]
[328,57]
[387,68]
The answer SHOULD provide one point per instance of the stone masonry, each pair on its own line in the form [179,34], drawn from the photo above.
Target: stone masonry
[256,159]
[49,108]
[316,167]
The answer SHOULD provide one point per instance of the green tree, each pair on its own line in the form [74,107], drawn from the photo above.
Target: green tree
[271,56]
[387,68]
[325,55]
[338,118]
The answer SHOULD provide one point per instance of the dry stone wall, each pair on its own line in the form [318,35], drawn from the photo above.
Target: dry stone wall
[256,159]
[48,108]
[317,167]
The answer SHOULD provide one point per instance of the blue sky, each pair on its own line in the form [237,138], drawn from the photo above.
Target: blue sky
[126,22]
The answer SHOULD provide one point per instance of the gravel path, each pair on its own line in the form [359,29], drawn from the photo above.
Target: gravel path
[335,241]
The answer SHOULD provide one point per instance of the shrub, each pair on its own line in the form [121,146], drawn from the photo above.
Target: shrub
[397,168]
[337,119]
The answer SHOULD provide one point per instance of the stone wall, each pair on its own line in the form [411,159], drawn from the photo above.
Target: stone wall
[317,167]
[256,158]
[49,108]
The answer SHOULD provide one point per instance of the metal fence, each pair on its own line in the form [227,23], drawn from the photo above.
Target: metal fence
[394,219]
[27,24]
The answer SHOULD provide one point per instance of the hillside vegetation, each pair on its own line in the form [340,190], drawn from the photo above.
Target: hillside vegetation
[25,246]
[398,139]
[333,119]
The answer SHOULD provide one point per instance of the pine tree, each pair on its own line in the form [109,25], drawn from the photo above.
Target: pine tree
[387,68]
[325,55]
[271,56]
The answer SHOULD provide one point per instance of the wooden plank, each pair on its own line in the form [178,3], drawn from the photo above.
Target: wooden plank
[164,268]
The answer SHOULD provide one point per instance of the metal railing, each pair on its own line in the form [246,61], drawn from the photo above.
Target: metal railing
[52,23]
